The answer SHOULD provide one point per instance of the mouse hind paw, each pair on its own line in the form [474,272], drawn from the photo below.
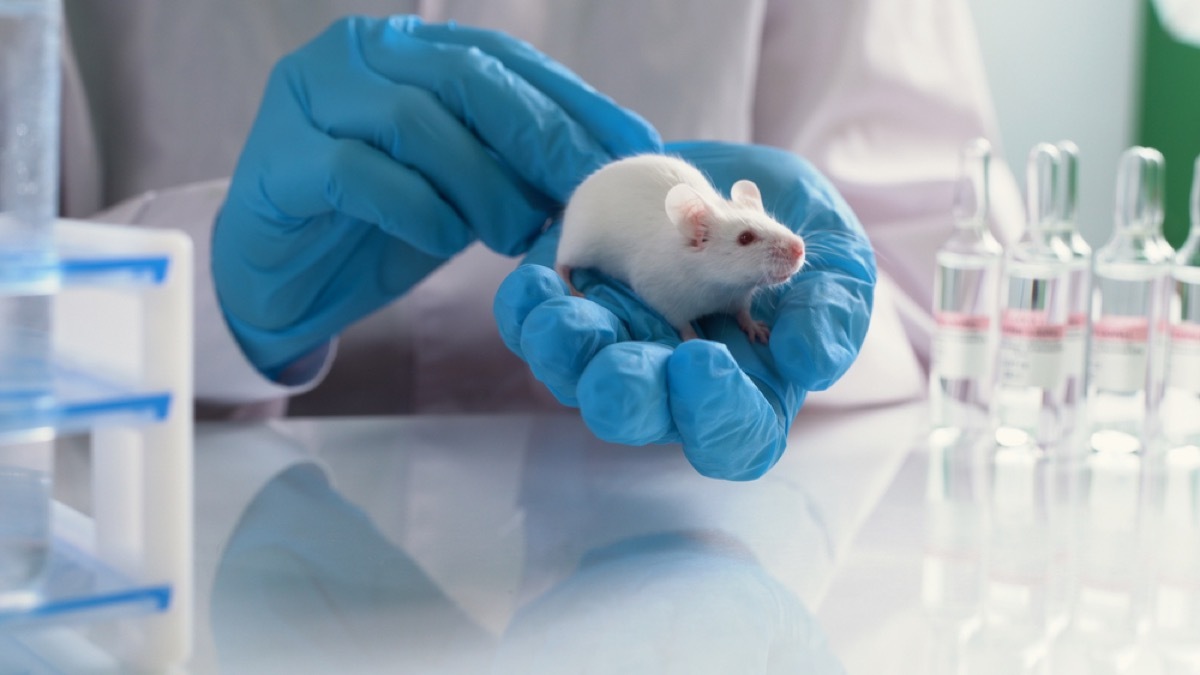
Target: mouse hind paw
[564,271]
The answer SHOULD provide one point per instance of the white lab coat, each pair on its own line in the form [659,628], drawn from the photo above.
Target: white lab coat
[878,94]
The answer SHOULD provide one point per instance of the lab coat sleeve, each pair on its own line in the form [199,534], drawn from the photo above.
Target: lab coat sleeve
[880,95]
[223,375]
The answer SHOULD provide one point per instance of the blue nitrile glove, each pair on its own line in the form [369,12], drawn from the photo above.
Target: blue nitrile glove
[381,149]
[728,401]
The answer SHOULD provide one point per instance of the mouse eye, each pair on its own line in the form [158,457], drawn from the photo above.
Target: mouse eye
[746,238]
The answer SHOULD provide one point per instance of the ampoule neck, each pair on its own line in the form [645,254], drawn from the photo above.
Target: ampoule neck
[1042,237]
[973,236]
[971,202]
[1075,243]
[1137,219]
[1189,253]
[1134,244]
[1038,245]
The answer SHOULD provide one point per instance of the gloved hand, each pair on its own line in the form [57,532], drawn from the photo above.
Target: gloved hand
[381,149]
[728,401]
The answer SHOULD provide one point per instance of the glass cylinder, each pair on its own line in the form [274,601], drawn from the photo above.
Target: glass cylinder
[29,145]
[26,471]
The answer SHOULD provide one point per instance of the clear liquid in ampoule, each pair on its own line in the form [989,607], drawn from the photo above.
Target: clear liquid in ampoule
[965,300]
[1028,402]
[1128,305]
[1179,413]
[1065,229]
[1123,339]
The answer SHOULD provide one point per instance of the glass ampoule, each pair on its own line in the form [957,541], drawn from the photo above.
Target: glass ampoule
[1179,414]
[1064,482]
[1129,288]
[1065,228]
[964,306]
[1028,401]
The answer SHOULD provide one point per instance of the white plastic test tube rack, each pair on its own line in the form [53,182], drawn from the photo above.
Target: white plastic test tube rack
[121,578]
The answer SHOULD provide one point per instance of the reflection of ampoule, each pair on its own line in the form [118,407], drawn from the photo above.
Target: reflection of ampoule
[1065,227]
[1009,635]
[964,296]
[1176,595]
[1102,632]
[1128,301]
[1027,404]
[1179,413]
[952,564]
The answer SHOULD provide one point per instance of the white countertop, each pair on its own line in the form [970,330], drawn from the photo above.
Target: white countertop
[467,544]
[1082,567]
[521,544]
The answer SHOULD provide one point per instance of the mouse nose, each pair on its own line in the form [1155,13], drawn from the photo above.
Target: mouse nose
[796,249]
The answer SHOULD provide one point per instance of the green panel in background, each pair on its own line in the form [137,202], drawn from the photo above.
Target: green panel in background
[1169,115]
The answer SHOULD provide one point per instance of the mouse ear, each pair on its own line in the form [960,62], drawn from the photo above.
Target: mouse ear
[690,213]
[745,193]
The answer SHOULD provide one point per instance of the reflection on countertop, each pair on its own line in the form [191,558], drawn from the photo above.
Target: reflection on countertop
[468,544]
[1029,562]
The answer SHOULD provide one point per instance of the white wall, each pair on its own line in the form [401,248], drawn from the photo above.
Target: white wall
[1065,69]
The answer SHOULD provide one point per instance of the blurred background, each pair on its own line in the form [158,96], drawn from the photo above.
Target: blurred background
[1106,74]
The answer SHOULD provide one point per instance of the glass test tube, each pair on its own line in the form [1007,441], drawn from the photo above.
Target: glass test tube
[29,133]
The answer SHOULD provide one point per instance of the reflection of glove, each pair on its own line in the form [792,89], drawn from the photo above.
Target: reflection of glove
[382,148]
[308,569]
[730,402]
[668,604]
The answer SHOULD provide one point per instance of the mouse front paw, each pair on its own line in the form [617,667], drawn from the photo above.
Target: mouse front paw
[757,331]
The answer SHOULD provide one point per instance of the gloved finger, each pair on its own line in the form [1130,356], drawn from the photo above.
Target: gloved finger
[416,130]
[621,131]
[287,323]
[542,143]
[561,336]
[729,428]
[821,324]
[823,314]
[355,179]
[545,247]
[642,322]
[352,292]
[521,291]
[623,394]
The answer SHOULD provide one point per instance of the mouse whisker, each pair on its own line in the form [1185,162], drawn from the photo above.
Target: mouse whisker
[808,218]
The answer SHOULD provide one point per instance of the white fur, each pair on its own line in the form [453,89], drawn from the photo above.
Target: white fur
[678,249]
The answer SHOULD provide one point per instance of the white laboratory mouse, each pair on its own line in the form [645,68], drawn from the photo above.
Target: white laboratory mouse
[655,223]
